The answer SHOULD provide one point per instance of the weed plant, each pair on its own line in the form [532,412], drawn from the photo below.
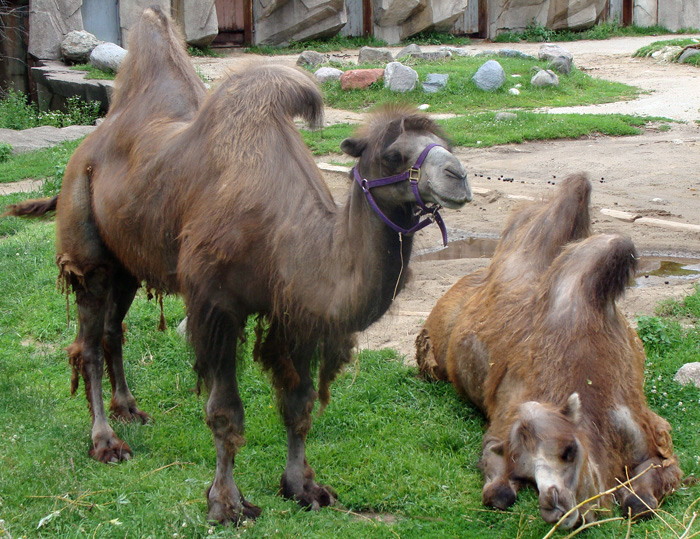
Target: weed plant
[5,151]
[437,38]
[401,452]
[16,112]
[204,52]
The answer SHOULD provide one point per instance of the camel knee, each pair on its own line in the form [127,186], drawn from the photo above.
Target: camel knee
[297,406]
[227,425]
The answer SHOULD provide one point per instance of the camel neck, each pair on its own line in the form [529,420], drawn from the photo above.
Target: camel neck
[381,254]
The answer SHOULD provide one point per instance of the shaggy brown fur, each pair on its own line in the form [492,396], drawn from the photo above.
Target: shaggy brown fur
[540,326]
[219,199]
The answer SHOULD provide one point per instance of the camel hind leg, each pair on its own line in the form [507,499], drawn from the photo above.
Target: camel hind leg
[87,358]
[122,292]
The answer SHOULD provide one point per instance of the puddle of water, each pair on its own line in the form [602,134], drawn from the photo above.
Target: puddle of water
[466,248]
[651,270]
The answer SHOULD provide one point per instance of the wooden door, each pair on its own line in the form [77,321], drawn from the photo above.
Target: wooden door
[627,6]
[235,22]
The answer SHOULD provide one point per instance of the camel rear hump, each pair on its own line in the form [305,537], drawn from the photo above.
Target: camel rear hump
[591,274]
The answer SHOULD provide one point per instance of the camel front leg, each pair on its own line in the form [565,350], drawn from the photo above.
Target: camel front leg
[297,402]
[214,333]
[499,491]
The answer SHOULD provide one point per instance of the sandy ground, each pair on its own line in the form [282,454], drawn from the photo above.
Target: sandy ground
[654,175]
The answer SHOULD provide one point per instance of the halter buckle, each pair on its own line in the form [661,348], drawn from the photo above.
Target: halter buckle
[414,174]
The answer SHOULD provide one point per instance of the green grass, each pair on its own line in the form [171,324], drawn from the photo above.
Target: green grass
[92,73]
[482,130]
[38,164]
[389,443]
[333,44]
[535,33]
[462,96]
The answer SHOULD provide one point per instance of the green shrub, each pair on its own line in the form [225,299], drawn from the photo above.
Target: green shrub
[16,112]
[5,151]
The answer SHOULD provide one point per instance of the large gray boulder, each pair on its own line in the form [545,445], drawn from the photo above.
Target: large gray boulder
[50,21]
[562,64]
[373,55]
[432,56]
[490,76]
[395,20]
[310,58]
[77,46]
[550,51]
[198,21]
[107,57]
[281,21]
[434,82]
[689,374]
[407,51]
[515,15]
[325,74]
[544,77]
[400,78]
[687,54]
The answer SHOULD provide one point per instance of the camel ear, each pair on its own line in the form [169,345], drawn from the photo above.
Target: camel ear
[572,408]
[498,448]
[353,146]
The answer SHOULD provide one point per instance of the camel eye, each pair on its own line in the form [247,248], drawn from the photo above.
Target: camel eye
[569,453]
[393,158]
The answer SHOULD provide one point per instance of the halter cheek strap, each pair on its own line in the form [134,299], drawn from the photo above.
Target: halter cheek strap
[413,176]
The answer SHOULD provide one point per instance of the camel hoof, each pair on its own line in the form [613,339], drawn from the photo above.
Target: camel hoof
[225,512]
[640,506]
[128,414]
[111,452]
[313,496]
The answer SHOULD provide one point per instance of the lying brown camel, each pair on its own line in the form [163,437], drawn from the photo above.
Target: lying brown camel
[217,198]
[536,342]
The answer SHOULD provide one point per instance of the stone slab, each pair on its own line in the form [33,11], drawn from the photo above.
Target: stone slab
[38,138]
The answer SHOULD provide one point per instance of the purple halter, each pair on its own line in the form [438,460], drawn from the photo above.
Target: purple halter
[412,175]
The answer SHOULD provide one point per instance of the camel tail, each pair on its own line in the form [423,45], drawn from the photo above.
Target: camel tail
[32,208]
[603,266]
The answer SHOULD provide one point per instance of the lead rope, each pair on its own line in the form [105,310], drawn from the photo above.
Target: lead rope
[396,288]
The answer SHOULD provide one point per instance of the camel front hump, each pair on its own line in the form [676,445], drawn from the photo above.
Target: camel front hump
[539,345]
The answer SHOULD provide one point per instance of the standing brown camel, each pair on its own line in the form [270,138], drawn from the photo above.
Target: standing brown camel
[537,343]
[218,199]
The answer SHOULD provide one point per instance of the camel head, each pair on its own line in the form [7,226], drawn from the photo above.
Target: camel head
[547,447]
[392,142]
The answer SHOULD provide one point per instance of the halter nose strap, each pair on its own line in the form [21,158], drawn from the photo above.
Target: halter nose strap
[413,176]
